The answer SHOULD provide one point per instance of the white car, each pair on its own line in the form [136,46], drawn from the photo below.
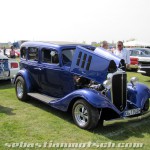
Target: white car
[143,55]
[8,67]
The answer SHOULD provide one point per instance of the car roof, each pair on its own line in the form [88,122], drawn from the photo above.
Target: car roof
[54,44]
[138,49]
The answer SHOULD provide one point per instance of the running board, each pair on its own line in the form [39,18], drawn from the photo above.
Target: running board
[41,97]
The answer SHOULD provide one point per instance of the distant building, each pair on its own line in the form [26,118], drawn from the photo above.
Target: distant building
[6,45]
[93,43]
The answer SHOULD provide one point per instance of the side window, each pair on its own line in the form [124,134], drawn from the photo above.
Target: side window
[23,53]
[50,56]
[33,53]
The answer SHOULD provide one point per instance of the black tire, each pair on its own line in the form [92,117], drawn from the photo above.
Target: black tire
[146,105]
[21,95]
[82,119]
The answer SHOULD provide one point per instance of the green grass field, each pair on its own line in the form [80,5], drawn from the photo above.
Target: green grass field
[35,122]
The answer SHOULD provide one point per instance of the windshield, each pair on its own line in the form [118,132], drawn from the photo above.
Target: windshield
[67,55]
[147,52]
[139,53]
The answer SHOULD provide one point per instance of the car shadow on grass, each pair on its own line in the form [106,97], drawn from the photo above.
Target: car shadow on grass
[64,115]
[6,84]
[6,110]
[147,81]
[114,131]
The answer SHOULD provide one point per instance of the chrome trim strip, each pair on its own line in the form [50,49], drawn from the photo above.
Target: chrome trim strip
[140,71]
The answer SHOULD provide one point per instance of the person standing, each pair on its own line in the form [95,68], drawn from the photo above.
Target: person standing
[12,52]
[104,46]
[4,51]
[122,53]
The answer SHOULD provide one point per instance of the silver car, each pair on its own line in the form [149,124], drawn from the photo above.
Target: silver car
[143,55]
[8,67]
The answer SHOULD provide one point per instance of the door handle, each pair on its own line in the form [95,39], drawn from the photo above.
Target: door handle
[37,68]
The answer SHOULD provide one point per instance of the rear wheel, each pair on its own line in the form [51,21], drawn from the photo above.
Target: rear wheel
[85,116]
[21,90]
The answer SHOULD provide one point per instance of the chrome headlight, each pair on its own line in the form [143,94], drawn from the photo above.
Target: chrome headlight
[134,80]
[109,76]
[107,84]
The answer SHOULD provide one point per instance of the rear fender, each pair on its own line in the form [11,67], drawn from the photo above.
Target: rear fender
[25,75]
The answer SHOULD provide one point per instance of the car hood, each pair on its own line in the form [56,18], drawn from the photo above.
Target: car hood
[94,66]
[146,59]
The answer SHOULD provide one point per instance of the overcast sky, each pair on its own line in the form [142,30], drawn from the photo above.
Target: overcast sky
[74,20]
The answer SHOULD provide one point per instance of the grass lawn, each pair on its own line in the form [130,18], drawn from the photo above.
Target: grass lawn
[35,122]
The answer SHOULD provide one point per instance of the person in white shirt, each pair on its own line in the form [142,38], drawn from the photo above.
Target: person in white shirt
[104,46]
[122,53]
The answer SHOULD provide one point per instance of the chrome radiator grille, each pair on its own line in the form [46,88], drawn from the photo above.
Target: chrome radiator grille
[119,90]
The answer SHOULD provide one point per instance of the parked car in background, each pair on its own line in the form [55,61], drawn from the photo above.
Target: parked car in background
[8,68]
[133,63]
[73,78]
[143,56]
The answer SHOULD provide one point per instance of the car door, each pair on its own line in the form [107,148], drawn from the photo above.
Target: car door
[33,66]
[50,74]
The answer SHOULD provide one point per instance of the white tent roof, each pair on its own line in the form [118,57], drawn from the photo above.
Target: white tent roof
[136,43]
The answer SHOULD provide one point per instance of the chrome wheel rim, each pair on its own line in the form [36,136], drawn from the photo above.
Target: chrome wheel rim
[19,89]
[81,115]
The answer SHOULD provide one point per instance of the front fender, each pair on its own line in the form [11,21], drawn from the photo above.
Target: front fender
[25,75]
[138,94]
[93,97]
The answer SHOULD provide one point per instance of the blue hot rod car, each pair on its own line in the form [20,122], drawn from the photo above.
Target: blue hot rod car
[73,77]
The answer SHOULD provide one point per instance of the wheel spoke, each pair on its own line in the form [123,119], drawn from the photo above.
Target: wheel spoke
[81,115]
[82,109]
[85,112]
[86,117]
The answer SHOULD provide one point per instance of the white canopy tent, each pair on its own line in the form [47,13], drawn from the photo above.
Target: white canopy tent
[136,44]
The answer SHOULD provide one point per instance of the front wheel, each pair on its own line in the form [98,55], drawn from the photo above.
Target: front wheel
[21,90]
[85,116]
